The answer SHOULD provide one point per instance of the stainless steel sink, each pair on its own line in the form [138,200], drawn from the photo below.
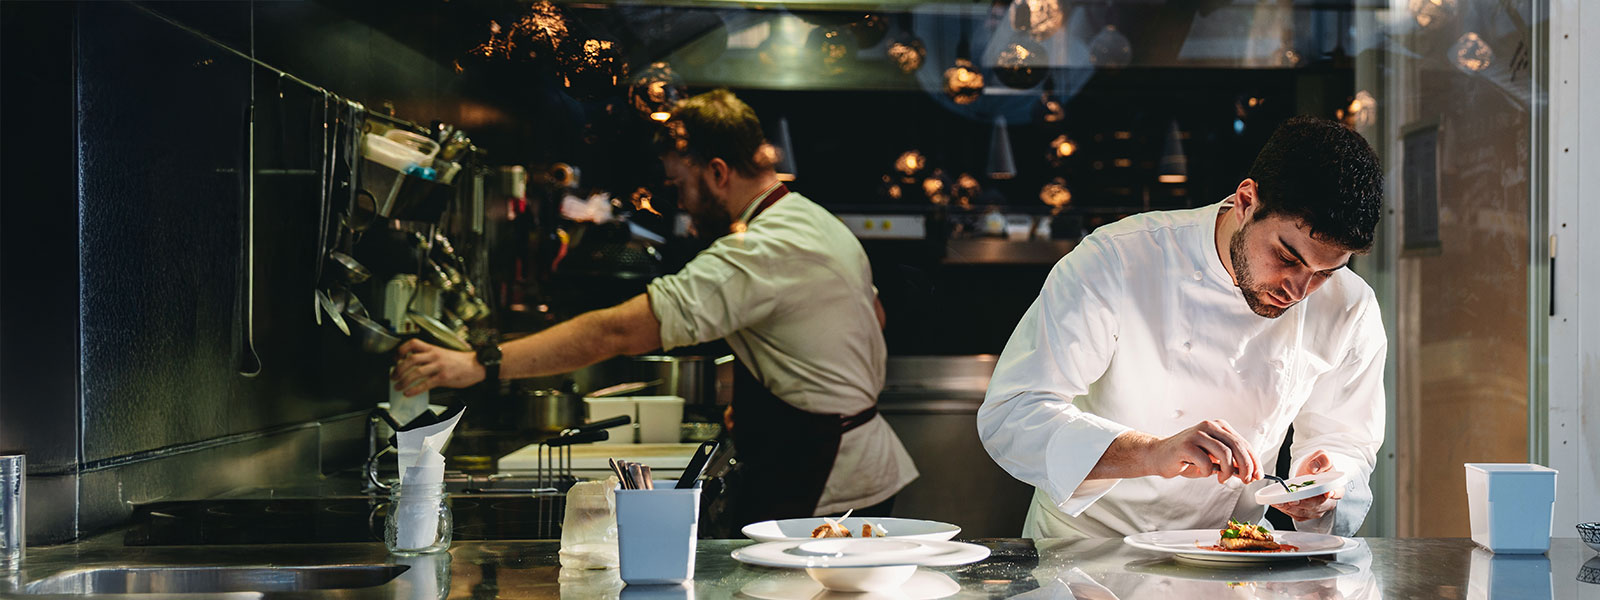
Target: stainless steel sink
[213,580]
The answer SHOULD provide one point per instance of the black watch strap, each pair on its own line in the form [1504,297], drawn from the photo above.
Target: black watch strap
[489,357]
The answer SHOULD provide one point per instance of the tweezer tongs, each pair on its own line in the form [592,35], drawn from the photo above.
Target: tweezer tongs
[1279,480]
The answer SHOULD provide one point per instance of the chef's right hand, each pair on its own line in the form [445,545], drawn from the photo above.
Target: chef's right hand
[1209,448]
[423,366]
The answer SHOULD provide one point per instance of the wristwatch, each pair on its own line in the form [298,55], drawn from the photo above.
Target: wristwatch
[489,357]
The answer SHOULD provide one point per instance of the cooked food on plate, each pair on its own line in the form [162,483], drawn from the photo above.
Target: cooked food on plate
[831,528]
[1245,537]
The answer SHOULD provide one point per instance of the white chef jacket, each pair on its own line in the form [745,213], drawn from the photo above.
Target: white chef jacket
[1141,327]
[792,294]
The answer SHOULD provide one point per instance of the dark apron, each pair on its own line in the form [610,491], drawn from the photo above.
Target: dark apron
[784,454]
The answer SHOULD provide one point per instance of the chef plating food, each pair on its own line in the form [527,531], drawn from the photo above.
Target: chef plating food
[1169,353]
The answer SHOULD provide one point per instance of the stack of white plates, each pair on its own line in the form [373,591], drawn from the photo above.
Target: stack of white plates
[861,564]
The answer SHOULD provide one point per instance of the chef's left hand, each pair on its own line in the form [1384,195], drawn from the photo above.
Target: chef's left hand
[1315,506]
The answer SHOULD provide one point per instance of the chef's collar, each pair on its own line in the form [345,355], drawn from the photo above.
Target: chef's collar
[756,207]
[1213,258]
[755,203]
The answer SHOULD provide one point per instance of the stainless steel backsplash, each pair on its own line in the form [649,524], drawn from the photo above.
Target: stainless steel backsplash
[121,380]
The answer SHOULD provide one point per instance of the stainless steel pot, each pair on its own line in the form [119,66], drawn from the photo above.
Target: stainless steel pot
[702,381]
[549,410]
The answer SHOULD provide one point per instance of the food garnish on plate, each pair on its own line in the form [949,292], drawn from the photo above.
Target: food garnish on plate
[1245,537]
[833,529]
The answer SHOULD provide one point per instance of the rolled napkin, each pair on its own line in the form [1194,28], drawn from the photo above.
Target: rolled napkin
[411,439]
[417,510]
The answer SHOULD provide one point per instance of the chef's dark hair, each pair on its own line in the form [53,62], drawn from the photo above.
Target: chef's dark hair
[715,124]
[1324,175]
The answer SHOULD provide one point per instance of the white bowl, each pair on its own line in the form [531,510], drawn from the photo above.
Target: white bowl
[800,529]
[862,579]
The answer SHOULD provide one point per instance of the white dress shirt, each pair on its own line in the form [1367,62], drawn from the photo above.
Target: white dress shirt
[792,294]
[1141,327]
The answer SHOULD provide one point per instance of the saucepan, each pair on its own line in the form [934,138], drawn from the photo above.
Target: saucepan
[370,335]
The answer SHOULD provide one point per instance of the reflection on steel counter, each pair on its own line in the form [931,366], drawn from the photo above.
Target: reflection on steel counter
[932,403]
[228,522]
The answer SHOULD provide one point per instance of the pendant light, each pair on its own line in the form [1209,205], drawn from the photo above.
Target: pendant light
[1001,163]
[1174,166]
[963,82]
[785,165]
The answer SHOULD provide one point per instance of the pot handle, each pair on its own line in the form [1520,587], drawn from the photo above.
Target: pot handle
[580,438]
[616,421]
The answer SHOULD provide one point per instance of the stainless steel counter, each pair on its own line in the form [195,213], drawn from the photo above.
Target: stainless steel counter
[1382,568]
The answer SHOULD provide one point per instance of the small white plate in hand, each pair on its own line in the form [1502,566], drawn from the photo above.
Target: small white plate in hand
[1320,483]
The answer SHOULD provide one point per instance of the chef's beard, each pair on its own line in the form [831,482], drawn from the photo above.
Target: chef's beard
[712,220]
[1253,295]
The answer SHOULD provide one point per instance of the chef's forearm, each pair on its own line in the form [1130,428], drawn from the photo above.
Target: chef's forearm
[627,328]
[1125,458]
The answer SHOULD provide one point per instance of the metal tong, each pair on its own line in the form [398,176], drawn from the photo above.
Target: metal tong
[557,451]
[1279,480]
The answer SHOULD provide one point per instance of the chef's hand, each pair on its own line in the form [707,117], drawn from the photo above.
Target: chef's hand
[1209,448]
[423,366]
[1315,506]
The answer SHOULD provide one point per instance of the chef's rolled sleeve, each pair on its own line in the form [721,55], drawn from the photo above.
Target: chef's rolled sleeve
[724,289]
[1028,421]
[1344,416]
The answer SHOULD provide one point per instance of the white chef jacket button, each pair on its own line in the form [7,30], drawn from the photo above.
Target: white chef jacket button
[1177,414]
[1187,345]
[1196,276]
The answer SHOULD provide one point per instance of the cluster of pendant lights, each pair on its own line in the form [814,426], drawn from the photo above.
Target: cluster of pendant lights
[543,32]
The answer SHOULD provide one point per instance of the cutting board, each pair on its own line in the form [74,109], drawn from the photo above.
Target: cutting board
[589,460]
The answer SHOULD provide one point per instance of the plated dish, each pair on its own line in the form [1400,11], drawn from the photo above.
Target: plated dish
[1202,545]
[805,529]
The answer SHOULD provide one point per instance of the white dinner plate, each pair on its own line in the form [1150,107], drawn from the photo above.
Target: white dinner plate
[800,529]
[793,585]
[1194,545]
[1323,482]
[857,552]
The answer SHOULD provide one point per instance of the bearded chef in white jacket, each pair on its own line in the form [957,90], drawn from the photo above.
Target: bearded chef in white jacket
[1168,354]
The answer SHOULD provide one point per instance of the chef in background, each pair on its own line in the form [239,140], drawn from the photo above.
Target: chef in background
[789,288]
[1168,354]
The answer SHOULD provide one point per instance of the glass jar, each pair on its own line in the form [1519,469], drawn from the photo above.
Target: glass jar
[419,520]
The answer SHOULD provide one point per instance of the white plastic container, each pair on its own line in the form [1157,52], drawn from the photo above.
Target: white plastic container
[660,419]
[1510,506]
[656,533]
[605,408]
